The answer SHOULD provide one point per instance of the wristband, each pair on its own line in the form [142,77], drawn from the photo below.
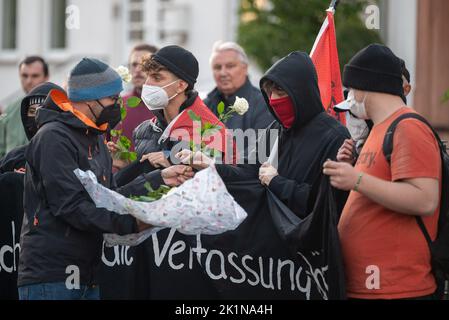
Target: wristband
[356,187]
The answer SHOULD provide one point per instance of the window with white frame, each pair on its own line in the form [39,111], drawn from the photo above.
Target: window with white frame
[8,29]
[135,20]
[173,22]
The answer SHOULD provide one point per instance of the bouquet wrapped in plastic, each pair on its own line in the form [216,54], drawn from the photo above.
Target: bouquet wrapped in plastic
[201,205]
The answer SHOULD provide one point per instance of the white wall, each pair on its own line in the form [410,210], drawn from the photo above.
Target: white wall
[206,22]
[401,34]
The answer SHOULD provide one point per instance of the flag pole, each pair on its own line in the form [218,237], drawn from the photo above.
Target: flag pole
[333,5]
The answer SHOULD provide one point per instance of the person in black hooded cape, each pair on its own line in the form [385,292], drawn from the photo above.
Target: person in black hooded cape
[257,260]
[11,189]
[308,136]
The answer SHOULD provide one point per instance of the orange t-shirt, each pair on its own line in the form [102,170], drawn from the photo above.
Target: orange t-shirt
[385,253]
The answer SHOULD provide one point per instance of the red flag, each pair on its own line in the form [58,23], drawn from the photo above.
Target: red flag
[324,55]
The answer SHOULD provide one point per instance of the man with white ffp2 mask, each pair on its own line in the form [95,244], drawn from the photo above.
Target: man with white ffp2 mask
[156,98]
[169,93]
[171,75]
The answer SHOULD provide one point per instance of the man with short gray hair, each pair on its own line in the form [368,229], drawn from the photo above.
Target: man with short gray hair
[229,64]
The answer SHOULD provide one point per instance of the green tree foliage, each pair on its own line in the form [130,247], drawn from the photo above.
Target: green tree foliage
[445,97]
[271,31]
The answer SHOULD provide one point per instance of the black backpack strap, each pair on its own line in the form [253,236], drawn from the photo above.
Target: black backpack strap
[387,146]
[423,228]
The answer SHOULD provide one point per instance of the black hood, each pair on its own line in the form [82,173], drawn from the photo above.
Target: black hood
[37,95]
[57,107]
[296,75]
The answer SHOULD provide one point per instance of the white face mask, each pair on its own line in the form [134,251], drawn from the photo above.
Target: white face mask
[342,105]
[358,109]
[156,98]
[358,129]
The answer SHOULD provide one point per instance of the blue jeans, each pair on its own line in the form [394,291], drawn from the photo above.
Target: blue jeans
[58,291]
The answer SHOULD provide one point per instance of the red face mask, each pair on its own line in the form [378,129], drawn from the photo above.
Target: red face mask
[283,107]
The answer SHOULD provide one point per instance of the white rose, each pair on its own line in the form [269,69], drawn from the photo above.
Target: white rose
[240,106]
[124,74]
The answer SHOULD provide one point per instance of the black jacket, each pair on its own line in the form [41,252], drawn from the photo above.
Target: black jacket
[61,225]
[146,135]
[14,159]
[313,138]
[257,116]
[12,187]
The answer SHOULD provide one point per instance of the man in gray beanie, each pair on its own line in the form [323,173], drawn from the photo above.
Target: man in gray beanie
[385,252]
[62,228]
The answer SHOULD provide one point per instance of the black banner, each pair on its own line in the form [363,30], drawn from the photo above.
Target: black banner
[271,255]
[11,215]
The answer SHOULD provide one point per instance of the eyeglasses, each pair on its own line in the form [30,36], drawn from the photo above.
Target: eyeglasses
[116,98]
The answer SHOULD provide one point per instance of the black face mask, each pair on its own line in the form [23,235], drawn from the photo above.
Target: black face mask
[110,114]
[30,125]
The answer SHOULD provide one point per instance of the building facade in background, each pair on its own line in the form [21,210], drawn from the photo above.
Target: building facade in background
[64,31]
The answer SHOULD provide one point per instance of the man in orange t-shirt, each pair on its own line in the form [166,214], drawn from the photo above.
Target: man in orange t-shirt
[385,253]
